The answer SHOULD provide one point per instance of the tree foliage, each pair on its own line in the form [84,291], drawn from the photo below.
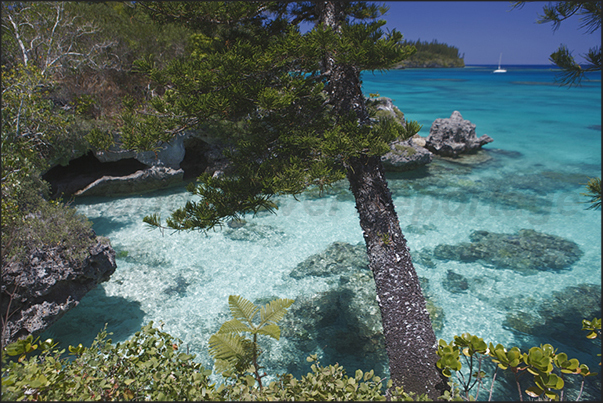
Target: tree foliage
[234,352]
[150,366]
[589,13]
[548,367]
[34,134]
[433,54]
[270,82]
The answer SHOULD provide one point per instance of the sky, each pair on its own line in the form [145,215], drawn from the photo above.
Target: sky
[482,30]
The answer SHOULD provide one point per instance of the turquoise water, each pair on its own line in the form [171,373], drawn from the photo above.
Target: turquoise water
[547,143]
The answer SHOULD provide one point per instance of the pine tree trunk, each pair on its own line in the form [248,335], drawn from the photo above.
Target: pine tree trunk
[409,337]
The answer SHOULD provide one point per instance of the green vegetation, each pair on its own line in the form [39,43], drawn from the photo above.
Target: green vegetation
[149,366]
[593,192]
[235,352]
[65,68]
[302,121]
[34,133]
[544,363]
[433,54]
[298,125]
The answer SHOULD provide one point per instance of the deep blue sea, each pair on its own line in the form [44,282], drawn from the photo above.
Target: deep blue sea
[547,144]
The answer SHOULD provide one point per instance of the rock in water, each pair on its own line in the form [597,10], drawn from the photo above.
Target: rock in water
[38,293]
[406,155]
[454,136]
[527,251]
[345,320]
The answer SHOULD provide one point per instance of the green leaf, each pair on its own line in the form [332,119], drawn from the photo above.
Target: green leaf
[234,326]
[534,391]
[271,330]
[275,310]
[225,346]
[242,309]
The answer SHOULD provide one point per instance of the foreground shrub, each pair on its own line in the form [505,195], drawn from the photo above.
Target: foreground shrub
[149,367]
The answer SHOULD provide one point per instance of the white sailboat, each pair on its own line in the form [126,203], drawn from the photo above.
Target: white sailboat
[499,70]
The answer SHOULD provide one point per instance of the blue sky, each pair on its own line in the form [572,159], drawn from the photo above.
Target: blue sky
[484,29]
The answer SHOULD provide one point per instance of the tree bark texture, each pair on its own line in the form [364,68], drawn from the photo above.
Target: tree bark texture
[409,337]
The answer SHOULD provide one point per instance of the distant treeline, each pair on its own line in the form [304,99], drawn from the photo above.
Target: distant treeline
[433,54]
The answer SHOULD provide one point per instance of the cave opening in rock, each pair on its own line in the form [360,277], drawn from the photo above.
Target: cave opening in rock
[82,171]
[195,160]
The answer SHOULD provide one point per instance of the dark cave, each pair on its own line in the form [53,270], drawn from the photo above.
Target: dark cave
[82,171]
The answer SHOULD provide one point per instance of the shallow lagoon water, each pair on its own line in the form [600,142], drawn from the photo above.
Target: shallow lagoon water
[547,142]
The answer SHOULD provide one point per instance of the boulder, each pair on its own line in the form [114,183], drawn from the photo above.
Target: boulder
[384,107]
[41,289]
[406,155]
[454,136]
[526,252]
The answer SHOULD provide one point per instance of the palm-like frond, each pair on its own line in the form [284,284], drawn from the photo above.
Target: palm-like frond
[234,326]
[226,346]
[242,309]
[271,330]
[274,311]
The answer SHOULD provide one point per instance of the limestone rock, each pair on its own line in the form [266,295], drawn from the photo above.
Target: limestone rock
[454,136]
[384,107]
[405,155]
[48,285]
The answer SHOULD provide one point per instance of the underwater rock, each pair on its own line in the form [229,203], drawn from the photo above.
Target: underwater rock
[475,158]
[236,223]
[534,192]
[338,258]
[179,288]
[455,283]
[345,320]
[40,290]
[527,251]
[560,315]
[421,230]
[454,136]
[252,232]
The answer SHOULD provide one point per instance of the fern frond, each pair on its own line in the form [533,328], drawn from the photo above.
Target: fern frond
[221,366]
[234,326]
[274,310]
[271,330]
[242,309]
[226,346]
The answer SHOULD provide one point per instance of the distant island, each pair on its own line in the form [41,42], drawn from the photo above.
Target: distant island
[432,54]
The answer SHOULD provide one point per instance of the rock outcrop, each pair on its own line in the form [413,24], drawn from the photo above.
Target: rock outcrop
[117,172]
[454,136]
[406,155]
[37,294]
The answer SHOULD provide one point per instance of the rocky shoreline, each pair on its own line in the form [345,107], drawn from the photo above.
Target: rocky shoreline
[121,173]
[39,290]
[47,285]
